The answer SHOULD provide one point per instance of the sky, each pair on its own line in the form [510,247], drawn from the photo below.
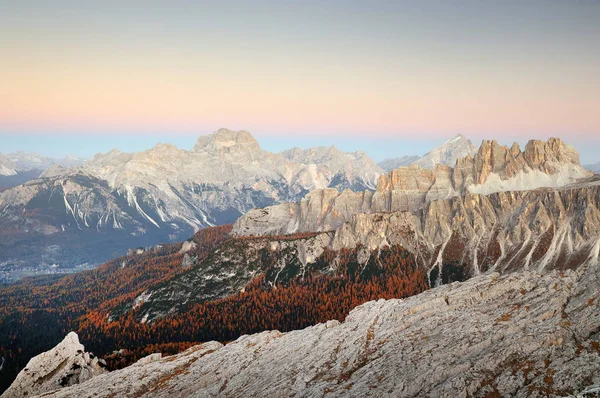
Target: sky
[388,77]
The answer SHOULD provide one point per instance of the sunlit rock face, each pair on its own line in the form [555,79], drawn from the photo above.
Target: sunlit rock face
[494,168]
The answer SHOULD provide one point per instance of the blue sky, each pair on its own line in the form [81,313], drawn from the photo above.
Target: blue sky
[86,145]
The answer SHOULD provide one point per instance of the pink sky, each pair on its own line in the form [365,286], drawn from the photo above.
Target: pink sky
[345,68]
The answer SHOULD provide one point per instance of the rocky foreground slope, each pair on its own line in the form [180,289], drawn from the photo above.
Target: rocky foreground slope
[523,334]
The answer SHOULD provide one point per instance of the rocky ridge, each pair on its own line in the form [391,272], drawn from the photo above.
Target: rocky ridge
[65,365]
[523,334]
[445,154]
[25,161]
[494,168]
[227,272]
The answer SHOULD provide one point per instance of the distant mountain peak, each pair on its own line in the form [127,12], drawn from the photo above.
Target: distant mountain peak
[447,153]
[225,138]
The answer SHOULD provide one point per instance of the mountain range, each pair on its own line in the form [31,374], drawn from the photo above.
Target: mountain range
[122,200]
[492,265]
[19,167]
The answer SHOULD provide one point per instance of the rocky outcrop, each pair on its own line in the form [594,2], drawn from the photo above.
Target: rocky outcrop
[520,335]
[494,168]
[65,365]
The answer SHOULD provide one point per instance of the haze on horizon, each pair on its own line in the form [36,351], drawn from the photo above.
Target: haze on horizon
[369,73]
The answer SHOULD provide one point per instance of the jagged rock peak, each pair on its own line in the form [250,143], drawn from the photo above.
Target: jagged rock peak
[494,168]
[225,138]
[7,168]
[65,365]
[448,152]
[547,157]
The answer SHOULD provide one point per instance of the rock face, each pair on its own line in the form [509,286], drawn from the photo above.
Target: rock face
[473,233]
[494,168]
[64,365]
[163,194]
[393,163]
[447,153]
[504,231]
[520,335]
[350,170]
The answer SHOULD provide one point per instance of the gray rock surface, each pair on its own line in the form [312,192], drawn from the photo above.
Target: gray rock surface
[524,334]
[64,365]
[505,231]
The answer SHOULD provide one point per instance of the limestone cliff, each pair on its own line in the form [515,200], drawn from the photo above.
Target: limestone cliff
[494,168]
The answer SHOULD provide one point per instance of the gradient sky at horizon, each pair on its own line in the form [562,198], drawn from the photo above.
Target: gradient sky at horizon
[389,77]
